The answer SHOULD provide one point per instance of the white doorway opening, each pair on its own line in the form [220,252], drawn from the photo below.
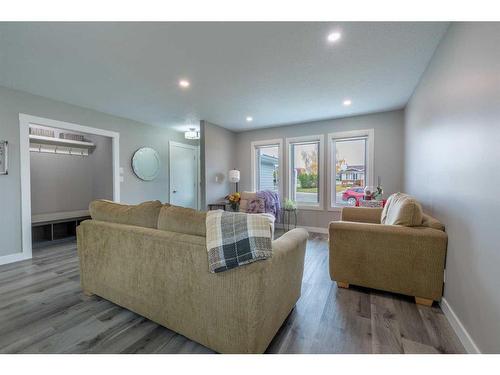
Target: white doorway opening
[184,175]
[24,145]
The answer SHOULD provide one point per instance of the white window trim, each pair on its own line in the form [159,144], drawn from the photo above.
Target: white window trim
[321,170]
[267,142]
[370,134]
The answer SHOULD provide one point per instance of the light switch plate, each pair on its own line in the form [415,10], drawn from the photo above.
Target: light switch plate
[4,148]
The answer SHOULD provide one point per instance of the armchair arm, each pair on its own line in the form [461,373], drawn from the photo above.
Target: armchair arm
[408,260]
[361,214]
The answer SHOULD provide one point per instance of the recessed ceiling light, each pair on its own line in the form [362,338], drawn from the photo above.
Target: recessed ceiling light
[249,118]
[184,83]
[334,37]
[347,102]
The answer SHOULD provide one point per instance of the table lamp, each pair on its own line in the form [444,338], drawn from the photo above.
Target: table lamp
[234,177]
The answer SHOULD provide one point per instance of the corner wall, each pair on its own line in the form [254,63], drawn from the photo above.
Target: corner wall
[218,150]
[453,167]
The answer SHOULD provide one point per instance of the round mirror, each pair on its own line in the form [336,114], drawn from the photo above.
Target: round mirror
[146,163]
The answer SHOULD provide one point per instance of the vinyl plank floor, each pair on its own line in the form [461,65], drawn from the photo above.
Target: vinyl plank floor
[42,310]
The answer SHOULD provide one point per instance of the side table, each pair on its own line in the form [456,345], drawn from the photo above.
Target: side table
[371,203]
[287,214]
[217,206]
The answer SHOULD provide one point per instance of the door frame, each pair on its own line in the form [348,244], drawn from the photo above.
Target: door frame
[24,150]
[172,144]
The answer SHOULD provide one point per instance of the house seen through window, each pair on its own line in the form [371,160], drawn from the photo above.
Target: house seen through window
[350,170]
[304,169]
[267,167]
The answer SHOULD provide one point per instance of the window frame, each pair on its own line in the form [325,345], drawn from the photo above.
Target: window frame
[321,170]
[253,168]
[370,165]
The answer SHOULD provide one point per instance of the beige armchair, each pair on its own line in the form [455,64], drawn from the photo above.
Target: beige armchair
[394,258]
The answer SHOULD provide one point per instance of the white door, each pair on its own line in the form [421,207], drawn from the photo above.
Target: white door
[183,175]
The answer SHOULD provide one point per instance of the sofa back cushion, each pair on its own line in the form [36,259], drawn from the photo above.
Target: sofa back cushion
[402,209]
[182,220]
[141,215]
[431,222]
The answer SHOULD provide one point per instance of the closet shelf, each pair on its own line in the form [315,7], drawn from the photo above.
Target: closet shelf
[60,142]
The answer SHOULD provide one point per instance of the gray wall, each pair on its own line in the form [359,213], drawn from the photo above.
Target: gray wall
[218,150]
[102,170]
[132,136]
[67,182]
[389,163]
[452,167]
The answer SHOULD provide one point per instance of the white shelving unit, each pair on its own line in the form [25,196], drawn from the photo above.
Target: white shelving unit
[39,143]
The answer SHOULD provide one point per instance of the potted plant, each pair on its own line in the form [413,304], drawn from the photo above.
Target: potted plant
[289,205]
[234,200]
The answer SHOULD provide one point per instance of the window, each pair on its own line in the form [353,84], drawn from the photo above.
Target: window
[266,165]
[351,166]
[305,163]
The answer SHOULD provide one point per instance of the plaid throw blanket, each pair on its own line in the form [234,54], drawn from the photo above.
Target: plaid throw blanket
[235,238]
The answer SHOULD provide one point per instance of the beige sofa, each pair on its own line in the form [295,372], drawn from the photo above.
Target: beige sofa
[152,259]
[393,257]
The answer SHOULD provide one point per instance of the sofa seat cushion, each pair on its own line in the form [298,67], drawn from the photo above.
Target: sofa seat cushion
[402,209]
[182,220]
[141,215]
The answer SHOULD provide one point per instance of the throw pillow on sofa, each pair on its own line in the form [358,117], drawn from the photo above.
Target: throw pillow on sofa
[256,206]
[402,209]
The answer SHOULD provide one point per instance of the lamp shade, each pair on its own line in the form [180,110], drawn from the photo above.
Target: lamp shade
[234,176]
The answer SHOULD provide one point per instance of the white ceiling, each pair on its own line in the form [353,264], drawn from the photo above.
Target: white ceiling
[279,73]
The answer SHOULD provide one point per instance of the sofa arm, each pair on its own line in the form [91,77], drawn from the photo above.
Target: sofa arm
[408,260]
[361,214]
[289,241]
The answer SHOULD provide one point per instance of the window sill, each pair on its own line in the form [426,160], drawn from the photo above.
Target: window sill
[309,208]
[336,208]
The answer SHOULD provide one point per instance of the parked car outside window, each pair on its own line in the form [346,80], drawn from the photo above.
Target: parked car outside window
[353,195]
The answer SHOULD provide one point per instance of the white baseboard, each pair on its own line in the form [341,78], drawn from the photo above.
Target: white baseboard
[11,258]
[467,341]
[315,229]
[309,229]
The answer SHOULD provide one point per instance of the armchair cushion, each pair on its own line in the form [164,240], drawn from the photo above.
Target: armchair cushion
[429,221]
[402,209]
